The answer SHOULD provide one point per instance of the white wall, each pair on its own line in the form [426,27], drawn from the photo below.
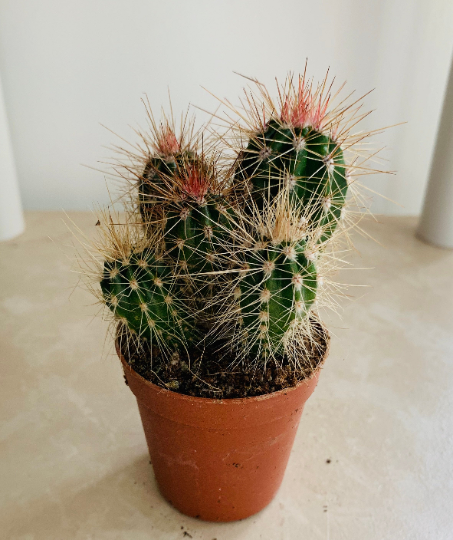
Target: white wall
[69,65]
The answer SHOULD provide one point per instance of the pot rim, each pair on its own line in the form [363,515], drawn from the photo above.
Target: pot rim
[206,400]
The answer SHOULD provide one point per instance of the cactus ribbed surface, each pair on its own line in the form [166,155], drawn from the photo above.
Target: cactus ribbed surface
[193,219]
[143,293]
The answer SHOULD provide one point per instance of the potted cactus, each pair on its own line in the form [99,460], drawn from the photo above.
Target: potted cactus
[214,280]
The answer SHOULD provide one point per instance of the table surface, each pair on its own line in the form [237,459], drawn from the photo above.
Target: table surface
[373,457]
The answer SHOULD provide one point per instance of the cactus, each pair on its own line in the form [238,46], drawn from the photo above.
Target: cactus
[180,191]
[236,253]
[277,290]
[143,293]
[196,224]
[290,180]
[292,149]
[276,284]
[150,281]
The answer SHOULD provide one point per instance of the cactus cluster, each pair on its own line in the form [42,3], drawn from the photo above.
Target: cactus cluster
[294,173]
[151,285]
[229,248]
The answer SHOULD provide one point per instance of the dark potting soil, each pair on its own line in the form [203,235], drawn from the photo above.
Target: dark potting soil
[211,374]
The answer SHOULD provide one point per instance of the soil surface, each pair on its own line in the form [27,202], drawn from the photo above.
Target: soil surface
[211,374]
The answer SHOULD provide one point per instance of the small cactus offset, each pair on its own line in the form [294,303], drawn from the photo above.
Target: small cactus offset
[276,283]
[276,292]
[137,284]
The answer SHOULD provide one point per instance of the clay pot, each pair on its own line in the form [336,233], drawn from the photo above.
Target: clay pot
[219,460]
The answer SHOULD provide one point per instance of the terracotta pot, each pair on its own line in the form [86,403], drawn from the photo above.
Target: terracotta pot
[219,460]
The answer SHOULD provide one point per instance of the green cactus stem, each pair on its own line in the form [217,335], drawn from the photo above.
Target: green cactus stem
[276,289]
[193,233]
[143,293]
[308,161]
[197,217]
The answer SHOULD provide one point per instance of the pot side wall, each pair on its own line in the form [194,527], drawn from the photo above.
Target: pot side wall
[219,460]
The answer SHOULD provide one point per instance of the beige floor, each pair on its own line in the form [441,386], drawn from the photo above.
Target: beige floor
[73,460]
